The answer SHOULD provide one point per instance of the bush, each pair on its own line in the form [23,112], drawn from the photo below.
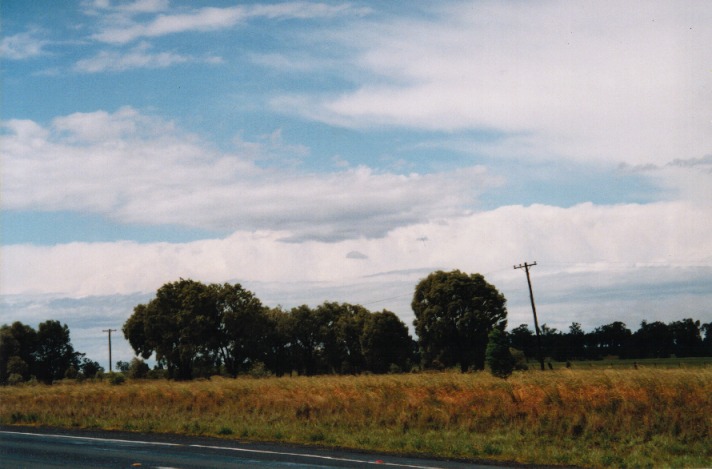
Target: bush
[498,356]
[116,379]
[138,369]
[14,379]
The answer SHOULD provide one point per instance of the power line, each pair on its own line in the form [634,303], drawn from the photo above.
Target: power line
[526,266]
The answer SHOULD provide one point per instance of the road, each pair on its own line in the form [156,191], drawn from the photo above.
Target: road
[28,447]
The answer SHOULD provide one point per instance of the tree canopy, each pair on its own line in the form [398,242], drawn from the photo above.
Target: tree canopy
[46,354]
[197,330]
[454,313]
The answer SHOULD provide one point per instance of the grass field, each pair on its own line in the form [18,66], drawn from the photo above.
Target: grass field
[645,417]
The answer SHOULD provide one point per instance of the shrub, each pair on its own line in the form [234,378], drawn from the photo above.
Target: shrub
[499,358]
[14,379]
[116,379]
[138,369]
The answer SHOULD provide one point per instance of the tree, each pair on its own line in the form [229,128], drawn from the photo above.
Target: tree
[499,357]
[340,326]
[243,328]
[686,338]
[18,343]
[454,313]
[386,343]
[306,340]
[522,338]
[178,325]
[552,343]
[611,339]
[707,341]
[653,340]
[574,342]
[89,368]
[279,357]
[54,354]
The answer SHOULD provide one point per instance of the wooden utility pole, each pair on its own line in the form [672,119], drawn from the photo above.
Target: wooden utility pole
[109,331]
[526,266]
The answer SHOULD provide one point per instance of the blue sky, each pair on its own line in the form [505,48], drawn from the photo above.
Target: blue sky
[343,150]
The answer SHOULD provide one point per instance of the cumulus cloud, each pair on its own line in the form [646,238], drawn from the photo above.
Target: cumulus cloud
[620,82]
[135,168]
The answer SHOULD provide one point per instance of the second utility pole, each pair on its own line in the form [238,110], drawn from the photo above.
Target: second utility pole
[526,266]
[109,331]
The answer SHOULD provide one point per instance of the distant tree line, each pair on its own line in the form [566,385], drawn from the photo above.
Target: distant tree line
[193,329]
[45,354]
[196,330]
[200,330]
[683,338]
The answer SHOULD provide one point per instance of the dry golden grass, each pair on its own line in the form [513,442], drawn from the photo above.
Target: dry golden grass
[598,418]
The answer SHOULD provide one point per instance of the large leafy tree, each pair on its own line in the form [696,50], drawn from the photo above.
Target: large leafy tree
[179,325]
[340,326]
[454,313]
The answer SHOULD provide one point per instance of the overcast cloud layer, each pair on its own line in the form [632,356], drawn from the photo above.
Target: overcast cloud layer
[343,150]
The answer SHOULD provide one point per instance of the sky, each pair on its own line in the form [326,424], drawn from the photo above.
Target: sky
[342,151]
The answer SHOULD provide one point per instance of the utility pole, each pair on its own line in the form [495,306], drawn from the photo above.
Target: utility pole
[526,266]
[114,330]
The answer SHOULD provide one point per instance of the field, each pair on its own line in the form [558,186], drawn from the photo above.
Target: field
[596,417]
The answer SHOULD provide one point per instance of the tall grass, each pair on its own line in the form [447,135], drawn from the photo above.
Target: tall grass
[600,418]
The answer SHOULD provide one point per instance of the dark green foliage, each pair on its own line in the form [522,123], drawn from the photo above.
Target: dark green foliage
[683,338]
[89,368]
[137,369]
[454,313]
[54,354]
[499,358]
[46,353]
[386,343]
[179,325]
[199,330]
[243,328]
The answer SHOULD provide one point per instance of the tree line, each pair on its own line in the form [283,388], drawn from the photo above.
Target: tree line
[193,329]
[197,330]
[682,338]
[45,354]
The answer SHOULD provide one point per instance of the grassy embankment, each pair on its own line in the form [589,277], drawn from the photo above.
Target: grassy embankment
[586,417]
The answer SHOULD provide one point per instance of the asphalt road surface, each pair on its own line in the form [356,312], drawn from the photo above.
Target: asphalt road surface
[27,447]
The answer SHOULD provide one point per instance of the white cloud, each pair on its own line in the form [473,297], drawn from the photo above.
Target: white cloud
[596,264]
[587,80]
[686,179]
[138,57]
[22,46]
[135,168]
[584,239]
[214,18]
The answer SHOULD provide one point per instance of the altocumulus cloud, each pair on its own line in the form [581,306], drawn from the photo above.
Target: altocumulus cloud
[136,168]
